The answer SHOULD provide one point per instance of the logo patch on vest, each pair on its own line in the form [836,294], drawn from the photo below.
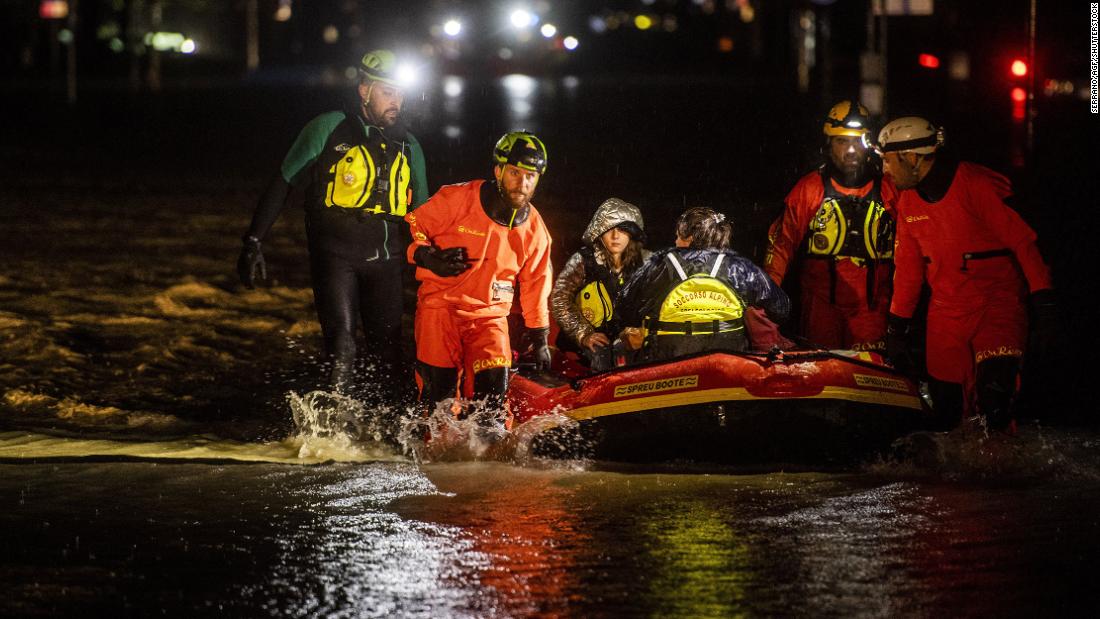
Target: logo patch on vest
[465,230]
[342,147]
[502,291]
[911,218]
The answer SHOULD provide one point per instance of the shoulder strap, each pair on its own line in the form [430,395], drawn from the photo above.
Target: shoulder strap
[588,258]
[676,266]
[826,185]
[717,265]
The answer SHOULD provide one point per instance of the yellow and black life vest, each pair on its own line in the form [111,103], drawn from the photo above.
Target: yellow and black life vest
[360,168]
[699,303]
[852,227]
[596,298]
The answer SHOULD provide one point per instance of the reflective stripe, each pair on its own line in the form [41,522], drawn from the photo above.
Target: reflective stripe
[702,396]
[717,265]
[399,185]
[676,265]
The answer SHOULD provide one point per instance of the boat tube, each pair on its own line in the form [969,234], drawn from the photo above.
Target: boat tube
[799,407]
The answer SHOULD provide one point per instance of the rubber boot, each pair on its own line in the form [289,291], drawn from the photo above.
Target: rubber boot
[436,384]
[491,411]
[996,384]
[947,404]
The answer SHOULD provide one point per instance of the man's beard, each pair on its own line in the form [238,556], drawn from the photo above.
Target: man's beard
[388,119]
[383,120]
[516,199]
[850,175]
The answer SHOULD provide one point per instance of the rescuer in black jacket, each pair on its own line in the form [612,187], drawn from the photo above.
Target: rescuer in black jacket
[361,172]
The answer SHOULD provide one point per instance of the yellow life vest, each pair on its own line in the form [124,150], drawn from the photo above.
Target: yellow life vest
[699,304]
[355,183]
[595,303]
[851,227]
[596,298]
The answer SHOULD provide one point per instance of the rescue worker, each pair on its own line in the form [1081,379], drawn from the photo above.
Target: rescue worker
[473,244]
[582,301]
[839,222]
[958,232]
[695,296]
[361,172]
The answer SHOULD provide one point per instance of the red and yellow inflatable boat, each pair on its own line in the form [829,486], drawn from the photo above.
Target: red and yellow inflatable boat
[811,406]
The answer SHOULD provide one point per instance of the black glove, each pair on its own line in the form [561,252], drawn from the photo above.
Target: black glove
[250,264]
[897,343]
[540,350]
[1044,321]
[443,262]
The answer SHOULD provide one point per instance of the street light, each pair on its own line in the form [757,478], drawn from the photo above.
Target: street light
[452,28]
[522,18]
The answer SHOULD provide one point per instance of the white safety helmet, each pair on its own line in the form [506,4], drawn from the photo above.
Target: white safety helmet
[911,134]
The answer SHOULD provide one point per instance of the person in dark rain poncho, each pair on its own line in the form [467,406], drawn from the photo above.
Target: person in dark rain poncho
[696,296]
[362,171]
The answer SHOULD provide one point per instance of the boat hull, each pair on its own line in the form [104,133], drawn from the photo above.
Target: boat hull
[811,408]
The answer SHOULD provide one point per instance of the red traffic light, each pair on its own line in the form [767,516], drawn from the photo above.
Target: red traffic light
[928,61]
[1019,68]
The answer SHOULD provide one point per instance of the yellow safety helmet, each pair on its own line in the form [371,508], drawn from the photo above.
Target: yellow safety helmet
[847,118]
[380,65]
[521,149]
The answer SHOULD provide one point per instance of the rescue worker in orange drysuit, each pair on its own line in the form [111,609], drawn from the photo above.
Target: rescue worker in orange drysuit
[840,219]
[958,231]
[473,243]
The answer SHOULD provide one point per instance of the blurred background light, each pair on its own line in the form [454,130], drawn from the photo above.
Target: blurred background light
[522,18]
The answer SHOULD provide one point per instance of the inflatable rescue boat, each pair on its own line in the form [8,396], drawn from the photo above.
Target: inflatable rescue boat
[799,407]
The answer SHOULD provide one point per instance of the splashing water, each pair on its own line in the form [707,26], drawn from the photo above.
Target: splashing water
[972,452]
[481,435]
[338,427]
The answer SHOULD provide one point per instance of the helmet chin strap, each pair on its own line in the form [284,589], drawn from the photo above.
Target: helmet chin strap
[366,103]
[504,199]
[913,170]
[500,191]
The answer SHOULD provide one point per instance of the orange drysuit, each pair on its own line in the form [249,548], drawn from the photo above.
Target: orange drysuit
[975,253]
[461,321]
[846,282]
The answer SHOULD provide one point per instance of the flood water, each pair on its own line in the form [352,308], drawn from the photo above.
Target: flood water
[160,452]
[492,539]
